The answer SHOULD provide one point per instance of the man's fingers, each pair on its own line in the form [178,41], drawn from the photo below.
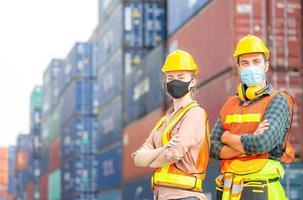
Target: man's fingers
[260,130]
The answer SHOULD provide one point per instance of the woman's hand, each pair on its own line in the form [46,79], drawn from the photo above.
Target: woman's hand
[173,141]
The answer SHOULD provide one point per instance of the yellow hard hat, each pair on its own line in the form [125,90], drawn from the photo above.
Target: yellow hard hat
[251,44]
[180,60]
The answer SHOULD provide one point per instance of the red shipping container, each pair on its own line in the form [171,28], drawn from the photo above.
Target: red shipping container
[29,191]
[212,95]
[44,187]
[277,23]
[55,155]
[292,82]
[134,136]
[21,160]
[209,38]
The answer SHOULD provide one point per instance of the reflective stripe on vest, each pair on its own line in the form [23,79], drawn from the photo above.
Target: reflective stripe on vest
[242,120]
[169,175]
[238,118]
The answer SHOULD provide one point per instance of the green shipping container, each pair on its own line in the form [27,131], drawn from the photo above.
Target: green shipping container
[54,185]
[36,98]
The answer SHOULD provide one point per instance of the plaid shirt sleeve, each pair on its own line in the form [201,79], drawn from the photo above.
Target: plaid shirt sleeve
[215,139]
[272,139]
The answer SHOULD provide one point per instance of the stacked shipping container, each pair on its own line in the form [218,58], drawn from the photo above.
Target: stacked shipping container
[125,85]
[213,54]
[50,140]
[22,162]
[35,143]
[77,124]
[109,79]
[102,101]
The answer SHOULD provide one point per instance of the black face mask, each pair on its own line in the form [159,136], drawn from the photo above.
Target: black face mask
[177,88]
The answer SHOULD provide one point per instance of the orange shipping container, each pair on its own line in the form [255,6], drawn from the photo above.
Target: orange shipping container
[21,160]
[3,169]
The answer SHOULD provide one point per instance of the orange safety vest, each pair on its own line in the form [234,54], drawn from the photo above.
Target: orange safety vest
[243,120]
[171,176]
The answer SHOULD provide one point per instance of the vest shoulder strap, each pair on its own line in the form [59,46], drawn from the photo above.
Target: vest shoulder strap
[173,122]
[160,122]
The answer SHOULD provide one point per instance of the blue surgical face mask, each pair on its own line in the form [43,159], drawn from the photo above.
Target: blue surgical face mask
[252,76]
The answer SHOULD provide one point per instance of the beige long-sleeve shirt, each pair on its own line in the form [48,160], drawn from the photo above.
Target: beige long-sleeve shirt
[191,131]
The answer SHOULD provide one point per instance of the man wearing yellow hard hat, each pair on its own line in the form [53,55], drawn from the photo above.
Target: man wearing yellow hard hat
[178,146]
[250,136]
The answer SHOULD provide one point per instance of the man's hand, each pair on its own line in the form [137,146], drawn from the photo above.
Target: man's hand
[264,125]
[233,141]
[224,137]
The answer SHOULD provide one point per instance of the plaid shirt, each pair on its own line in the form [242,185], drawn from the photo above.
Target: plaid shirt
[272,139]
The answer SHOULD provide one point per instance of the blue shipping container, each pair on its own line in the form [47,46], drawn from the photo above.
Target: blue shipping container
[78,136]
[106,8]
[294,173]
[209,184]
[110,168]
[133,24]
[110,80]
[143,89]
[294,193]
[113,195]
[132,60]
[80,196]
[78,63]
[79,175]
[110,39]
[154,23]
[11,168]
[21,180]
[23,142]
[139,189]
[95,57]
[44,158]
[35,169]
[51,86]
[144,24]
[110,124]
[181,11]
[36,121]
[77,99]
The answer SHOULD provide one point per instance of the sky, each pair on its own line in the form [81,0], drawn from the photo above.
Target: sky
[32,32]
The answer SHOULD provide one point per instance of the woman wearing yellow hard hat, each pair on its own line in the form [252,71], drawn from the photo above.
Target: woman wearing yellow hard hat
[178,146]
